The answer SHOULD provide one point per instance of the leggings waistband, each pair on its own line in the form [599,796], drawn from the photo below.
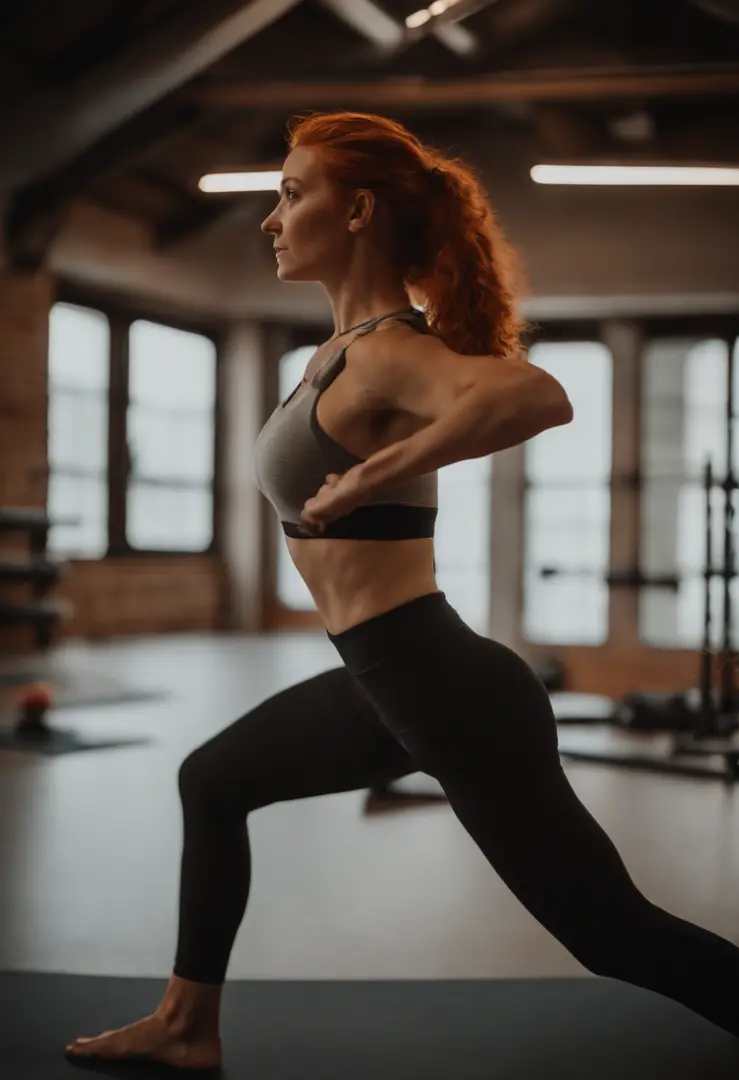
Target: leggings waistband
[395,631]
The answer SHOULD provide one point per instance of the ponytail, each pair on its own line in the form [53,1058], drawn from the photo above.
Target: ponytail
[468,275]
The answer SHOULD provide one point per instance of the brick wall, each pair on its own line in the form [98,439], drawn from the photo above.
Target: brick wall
[615,670]
[112,596]
[24,306]
[143,595]
[24,335]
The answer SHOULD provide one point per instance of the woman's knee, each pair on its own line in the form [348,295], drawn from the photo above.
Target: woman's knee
[605,945]
[194,772]
[202,778]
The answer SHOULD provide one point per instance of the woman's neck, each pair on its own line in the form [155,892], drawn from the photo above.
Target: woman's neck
[352,313]
[362,294]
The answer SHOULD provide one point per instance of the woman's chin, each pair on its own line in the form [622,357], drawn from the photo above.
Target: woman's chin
[292,274]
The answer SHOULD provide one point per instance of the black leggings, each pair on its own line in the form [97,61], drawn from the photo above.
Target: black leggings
[421,691]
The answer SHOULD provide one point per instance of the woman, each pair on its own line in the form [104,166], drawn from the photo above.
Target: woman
[349,462]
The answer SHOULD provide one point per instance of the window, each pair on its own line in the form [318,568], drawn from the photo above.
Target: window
[462,544]
[78,380]
[684,393]
[567,503]
[132,423]
[462,530]
[171,439]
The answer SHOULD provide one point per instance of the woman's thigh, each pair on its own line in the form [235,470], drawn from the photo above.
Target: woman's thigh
[317,737]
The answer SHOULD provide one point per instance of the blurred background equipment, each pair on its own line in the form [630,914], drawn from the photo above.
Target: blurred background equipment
[704,720]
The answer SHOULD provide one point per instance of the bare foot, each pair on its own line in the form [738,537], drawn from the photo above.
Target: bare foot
[152,1039]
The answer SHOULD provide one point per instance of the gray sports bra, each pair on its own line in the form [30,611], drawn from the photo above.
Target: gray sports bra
[293,455]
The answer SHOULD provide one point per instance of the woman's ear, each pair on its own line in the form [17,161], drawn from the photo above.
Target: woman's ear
[361,211]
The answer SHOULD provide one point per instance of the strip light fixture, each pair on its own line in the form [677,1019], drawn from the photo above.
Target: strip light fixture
[637,175]
[256,180]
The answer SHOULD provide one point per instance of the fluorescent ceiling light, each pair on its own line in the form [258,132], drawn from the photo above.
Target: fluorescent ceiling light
[636,175]
[241,181]
[418,18]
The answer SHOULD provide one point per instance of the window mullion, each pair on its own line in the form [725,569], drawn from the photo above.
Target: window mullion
[117,438]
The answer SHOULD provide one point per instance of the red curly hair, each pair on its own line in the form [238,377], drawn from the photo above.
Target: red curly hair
[446,237]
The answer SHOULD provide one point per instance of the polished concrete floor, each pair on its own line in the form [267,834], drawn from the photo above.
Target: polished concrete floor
[90,844]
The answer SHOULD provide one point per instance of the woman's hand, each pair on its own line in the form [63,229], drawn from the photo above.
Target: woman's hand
[338,496]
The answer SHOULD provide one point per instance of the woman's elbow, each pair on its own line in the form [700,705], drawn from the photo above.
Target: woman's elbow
[554,406]
[562,412]
[556,403]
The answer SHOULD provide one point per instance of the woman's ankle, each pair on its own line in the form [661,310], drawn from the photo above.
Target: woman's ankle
[188,1004]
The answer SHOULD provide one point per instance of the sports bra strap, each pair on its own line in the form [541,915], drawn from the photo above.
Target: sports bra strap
[394,316]
[327,371]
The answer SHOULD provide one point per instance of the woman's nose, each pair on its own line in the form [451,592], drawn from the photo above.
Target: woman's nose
[269,225]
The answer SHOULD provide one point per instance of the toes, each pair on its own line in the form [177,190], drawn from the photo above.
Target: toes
[79,1046]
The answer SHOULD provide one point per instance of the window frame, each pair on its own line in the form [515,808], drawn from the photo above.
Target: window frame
[723,327]
[121,313]
[590,331]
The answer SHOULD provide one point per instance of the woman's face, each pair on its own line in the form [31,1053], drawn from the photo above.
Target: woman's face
[310,225]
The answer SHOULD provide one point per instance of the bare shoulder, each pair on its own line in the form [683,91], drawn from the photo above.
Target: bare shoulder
[400,368]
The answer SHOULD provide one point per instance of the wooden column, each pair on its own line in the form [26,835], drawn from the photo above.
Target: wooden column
[625,342]
[507,546]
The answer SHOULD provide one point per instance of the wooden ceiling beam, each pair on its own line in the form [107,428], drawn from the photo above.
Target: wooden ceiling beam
[579,84]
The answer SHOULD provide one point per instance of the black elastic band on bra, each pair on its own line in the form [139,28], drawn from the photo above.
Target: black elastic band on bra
[386,521]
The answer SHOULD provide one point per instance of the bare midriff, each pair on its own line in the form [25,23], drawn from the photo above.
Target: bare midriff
[351,581]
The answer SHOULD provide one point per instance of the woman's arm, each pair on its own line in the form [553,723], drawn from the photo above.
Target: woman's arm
[473,405]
